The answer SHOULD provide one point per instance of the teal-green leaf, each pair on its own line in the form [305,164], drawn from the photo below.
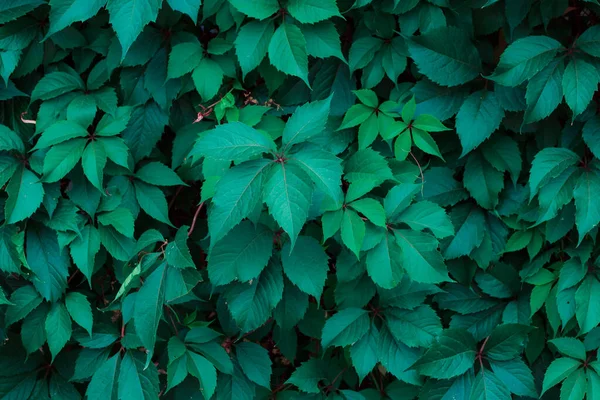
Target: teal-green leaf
[105,380]
[383,262]
[25,299]
[589,41]
[420,256]
[184,57]
[144,129]
[544,91]
[524,58]
[516,376]
[591,135]
[548,164]
[287,51]
[487,385]
[587,304]
[252,43]
[120,218]
[255,362]
[446,56]
[59,132]
[287,193]
[587,214]
[570,347]
[311,11]
[152,200]
[177,252]
[241,255]
[574,386]
[65,12]
[427,215]
[364,352]
[370,208]
[324,169]
[483,181]
[306,265]
[10,140]
[238,193]
[25,195]
[306,122]
[158,174]
[93,162]
[259,9]
[323,40]
[136,381]
[451,355]
[478,117]
[415,328]
[84,249]
[58,328]
[48,262]
[579,84]
[353,231]
[233,142]
[307,376]
[558,370]
[61,159]
[506,341]
[503,153]
[207,77]
[54,84]
[346,327]
[148,308]
[80,310]
[189,7]
[128,19]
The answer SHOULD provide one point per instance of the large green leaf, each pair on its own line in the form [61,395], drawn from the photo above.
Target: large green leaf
[306,265]
[478,117]
[287,51]
[421,258]
[252,43]
[58,328]
[64,12]
[128,18]
[50,265]
[452,355]
[587,214]
[307,121]
[345,327]
[579,84]
[311,11]
[25,195]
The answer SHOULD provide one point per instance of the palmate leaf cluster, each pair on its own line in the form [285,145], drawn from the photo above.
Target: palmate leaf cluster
[299,199]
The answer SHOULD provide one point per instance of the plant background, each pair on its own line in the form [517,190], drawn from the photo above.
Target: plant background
[299,199]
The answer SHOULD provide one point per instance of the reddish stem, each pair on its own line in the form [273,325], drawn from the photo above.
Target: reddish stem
[195,218]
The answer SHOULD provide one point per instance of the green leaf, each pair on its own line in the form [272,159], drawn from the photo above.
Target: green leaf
[323,40]
[152,200]
[207,77]
[59,132]
[177,252]
[238,193]
[251,304]
[129,18]
[306,122]
[397,357]
[579,84]
[259,9]
[58,328]
[452,355]
[446,56]
[548,164]
[252,43]
[364,353]
[589,41]
[119,246]
[120,219]
[398,199]
[311,11]
[241,255]
[506,341]
[383,262]
[570,347]
[591,135]
[61,159]
[105,379]
[544,91]
[93,162]
[9,140]
[483,181]
[427,215]
[80,310]
[418,327]
[516,376]
[25,195]
[158,174]
[189,7]
[487,385]
[136,381]
[55,84]
[287,193]
[587,214]
[47,262]
[524,58]
[287,51]
[420,256]
[149,307]
[25,299]
[84,249]
[255,363]
[353,231]
[323,168]
[363,51]
[478,117]
[307,376]
[346,327]
[574,386]
[33,330]
[144,129]
[65,12]
[306,265]
[184,57]
[233,141]
[587,304]
[558,370]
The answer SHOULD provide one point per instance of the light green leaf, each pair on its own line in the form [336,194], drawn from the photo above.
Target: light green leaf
[544,91]
[353,231]
[184,57]
[61,159]
[306,122]
[80,310]
[189,7]
[356,115]
[427,215]
[54,84]
[152,200]
[158,174]
[259,9]
[207,77]
[487,385]
[323,40]
[383,262]
[346,327]
[177,252]
[93,162]
[587,304]
[370,208]
[570,347]
[587,214]
[420,257]
[65,12]
[579,83]
[119,218]
[287,193]
[324,169]
[287,51]
[558,370]
[136,381]
[84,249]
[104,380]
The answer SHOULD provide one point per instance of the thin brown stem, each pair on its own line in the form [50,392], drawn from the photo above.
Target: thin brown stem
[195,218]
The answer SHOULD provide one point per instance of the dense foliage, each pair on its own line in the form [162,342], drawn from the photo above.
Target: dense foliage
[299,199]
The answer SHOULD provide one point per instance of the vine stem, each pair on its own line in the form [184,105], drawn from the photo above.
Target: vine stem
[195,218]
